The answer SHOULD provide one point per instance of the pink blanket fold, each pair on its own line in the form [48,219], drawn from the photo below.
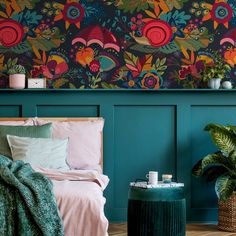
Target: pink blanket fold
[79,195]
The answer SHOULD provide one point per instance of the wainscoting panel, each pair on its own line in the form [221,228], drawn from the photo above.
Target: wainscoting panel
[10,111]
[70,111]
[144,130]
[144,140]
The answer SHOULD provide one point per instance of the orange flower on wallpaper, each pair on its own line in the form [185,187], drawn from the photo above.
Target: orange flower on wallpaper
[85,56]
[71,13]
[230,56]
[150,80]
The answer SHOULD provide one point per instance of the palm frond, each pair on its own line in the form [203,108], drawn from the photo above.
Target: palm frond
[216,160]
[213,172]
[224,187]
[223,138]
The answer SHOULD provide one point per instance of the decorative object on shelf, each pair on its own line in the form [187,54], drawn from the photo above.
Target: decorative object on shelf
[166,179]
[215,71]
[227,85]
[37,79]
[152,177]
[36,82]
[221,168]
[17,77]
[214,83]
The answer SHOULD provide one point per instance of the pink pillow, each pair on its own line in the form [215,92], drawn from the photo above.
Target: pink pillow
[17,123]
[85,141]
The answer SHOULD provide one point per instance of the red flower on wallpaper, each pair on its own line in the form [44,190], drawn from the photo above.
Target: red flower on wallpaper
[11,32]
[96,34]
[71,13]
[220,12]
[158,33]
[55,67]
[94,66]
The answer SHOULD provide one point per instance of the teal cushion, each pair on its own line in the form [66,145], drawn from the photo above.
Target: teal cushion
[44,131]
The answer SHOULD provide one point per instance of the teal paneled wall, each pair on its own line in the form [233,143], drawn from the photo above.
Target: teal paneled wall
[144,130]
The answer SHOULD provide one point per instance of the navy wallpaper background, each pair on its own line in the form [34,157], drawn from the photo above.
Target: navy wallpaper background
[133,44]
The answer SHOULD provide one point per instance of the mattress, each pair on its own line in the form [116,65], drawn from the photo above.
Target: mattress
[80,200]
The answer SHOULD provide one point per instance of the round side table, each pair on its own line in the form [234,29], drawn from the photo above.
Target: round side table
[156,211]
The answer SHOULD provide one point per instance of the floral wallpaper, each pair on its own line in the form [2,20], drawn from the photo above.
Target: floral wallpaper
[133,44]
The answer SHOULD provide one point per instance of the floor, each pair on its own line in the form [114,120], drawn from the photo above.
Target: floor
[192,230]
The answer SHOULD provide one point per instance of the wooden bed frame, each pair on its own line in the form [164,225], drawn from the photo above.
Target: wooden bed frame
[62,119]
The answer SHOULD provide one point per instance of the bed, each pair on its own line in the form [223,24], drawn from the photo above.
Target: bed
[78,191]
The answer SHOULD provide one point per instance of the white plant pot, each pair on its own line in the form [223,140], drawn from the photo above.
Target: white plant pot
[17,81]
[214,83]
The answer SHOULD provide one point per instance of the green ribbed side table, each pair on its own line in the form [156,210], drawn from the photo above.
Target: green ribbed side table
[156,211]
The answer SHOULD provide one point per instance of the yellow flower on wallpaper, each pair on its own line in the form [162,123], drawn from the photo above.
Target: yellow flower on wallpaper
[72,13]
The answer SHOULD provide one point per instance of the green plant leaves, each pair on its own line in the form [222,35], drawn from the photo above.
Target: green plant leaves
[132,5]
[223,138]
[213,172]
[216,160]
[224,187]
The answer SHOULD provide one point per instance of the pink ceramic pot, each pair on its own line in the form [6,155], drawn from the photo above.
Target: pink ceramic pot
[17,81]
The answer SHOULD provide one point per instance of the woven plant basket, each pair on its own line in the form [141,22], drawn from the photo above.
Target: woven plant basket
[227,214]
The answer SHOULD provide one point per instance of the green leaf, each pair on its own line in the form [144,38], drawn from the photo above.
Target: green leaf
[72,86]
[21,48]
[108,86]
[197,169]
[59,83]
[213,172]
[163,61]
[26,3]
[216,159]
[224,187]
[132,5]
[4,49]
[169,48]
[222,137]
[146,49]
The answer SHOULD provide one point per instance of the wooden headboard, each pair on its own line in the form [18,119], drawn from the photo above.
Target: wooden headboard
[63,119]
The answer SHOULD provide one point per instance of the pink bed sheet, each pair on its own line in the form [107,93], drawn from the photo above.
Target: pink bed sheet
[80,199]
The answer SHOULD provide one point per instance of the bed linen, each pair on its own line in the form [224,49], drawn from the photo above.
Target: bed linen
[79,194]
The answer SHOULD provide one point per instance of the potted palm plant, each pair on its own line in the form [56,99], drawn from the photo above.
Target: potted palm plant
[215,71]
[17,77]
[221,168]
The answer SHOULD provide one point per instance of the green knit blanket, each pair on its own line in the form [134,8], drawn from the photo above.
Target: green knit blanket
[27,203]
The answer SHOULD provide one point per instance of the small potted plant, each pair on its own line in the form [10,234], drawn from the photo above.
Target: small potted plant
[215,72]
[17,77]
[221,168]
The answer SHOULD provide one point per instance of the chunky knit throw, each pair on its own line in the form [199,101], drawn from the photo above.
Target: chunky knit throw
[27,203]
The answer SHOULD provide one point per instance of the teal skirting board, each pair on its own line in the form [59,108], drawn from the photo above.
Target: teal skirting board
[144,130]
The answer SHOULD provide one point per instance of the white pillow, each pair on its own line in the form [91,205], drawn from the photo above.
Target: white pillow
[39,152]
[85,141]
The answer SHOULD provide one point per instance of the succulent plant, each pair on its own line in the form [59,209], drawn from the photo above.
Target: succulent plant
[16,69]
[217,70]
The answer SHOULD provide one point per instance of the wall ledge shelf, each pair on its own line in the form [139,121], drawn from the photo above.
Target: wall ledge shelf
[122,90]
